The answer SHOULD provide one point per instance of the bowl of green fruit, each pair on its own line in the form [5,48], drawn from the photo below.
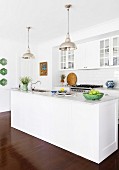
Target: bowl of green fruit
[93,95]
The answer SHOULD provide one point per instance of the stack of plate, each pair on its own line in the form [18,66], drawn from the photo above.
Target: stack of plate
[62,92]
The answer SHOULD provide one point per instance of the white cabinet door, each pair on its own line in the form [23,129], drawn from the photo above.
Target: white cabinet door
[92,55]
[87,55]
[80,56]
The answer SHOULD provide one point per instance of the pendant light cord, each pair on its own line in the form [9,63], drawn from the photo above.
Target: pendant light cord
[28,35]
[68,21]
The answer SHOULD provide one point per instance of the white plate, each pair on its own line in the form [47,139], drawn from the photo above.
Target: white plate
[61,94]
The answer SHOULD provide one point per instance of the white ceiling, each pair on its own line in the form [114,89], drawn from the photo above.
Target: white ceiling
[49,17]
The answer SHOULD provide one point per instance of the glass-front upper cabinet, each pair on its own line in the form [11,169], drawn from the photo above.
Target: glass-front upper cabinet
[104,52]
[109,51]
[66,60]
[115,51]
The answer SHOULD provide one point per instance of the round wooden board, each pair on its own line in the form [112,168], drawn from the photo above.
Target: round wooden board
[71,79]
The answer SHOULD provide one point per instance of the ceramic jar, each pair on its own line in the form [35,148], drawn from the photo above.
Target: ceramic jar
[110,84]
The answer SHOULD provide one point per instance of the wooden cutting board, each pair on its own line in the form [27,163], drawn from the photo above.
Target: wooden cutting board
[71,79]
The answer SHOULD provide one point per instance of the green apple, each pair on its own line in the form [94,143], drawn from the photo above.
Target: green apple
[93,92]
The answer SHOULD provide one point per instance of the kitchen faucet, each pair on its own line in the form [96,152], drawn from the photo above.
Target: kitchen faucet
[35,83]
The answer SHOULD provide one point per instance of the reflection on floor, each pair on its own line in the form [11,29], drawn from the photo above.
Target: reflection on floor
[19,151]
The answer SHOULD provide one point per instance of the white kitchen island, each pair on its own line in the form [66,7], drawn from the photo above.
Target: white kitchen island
[86,128]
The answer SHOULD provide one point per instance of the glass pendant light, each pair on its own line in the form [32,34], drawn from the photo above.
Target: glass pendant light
[67,45]
[28,54]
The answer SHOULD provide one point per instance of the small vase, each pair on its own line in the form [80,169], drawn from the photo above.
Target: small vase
[25,87]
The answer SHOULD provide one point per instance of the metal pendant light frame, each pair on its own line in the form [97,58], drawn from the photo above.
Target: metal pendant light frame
[67,45]
[28,54]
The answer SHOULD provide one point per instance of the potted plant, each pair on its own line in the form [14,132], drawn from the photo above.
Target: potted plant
[62,78]
[25,81]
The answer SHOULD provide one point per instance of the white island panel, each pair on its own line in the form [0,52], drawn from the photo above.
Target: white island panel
[86,129]
[108,128]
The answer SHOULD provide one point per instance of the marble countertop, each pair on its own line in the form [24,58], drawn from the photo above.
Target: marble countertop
[75,96]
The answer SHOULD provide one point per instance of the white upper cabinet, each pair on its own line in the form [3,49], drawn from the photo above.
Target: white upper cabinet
[115,51]
[92,54]
[87,55]
[67,60]
[109,52]
[80,56]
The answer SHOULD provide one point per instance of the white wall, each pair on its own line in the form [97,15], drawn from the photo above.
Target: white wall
[11,51]
[45,55]
[99,76]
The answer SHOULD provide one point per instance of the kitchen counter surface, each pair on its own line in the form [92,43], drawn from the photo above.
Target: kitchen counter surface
[75,96]
[110,89]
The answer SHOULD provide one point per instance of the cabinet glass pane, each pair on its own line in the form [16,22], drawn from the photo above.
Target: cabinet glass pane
[61,58]
[64,59]
[116,61]
[107,50]
[63,53]
[102,51]
[71,58]
[115,51]
[62,65]
[70,52]
[106,62]
[101,44]
[106,54]
[101,55]
[70,65]
[115,41]
[101,62]
[107,43]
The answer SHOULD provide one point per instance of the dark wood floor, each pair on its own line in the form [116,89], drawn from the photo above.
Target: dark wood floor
[19,151]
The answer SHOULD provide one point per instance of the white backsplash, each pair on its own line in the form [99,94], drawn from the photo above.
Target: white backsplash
[99,76]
